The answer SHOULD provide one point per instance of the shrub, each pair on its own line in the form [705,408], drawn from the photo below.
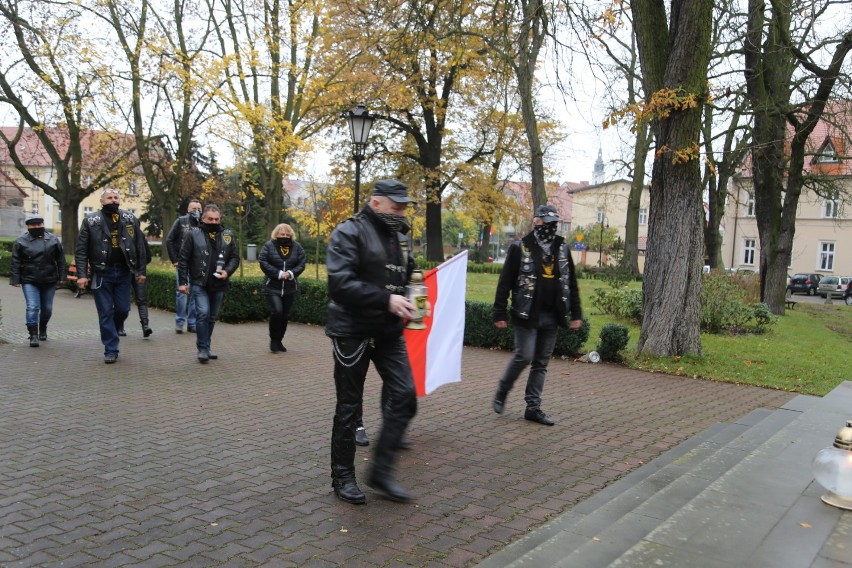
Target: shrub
[620,302]
[613,339]
[763,317]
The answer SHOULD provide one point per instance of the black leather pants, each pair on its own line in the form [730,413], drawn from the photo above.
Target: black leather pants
[279,315]
[352,358]
[140,289]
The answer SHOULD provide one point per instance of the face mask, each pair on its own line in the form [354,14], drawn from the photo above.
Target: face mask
[211,227]
[195,215]
[284,241]
[393,222]
[545,233]
[36,232]
[110,208]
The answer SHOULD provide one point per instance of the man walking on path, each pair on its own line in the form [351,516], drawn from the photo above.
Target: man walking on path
[110,251]
[184,304]
[369,264]
[208,257]
[539,272]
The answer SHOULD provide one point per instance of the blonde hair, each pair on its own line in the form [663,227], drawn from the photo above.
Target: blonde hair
[280,227]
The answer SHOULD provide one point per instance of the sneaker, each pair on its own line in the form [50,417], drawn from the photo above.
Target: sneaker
[110,358]
[212,355]
[203,355]
[122,333]
[178,328]
[361,438]
[538,415]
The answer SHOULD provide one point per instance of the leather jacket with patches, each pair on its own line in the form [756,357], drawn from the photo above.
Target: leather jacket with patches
[94,244]
[366,263]
[180,229]
[522,273]
[197,260]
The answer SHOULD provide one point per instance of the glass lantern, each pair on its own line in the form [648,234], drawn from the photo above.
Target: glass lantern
[416,292]
[832,469]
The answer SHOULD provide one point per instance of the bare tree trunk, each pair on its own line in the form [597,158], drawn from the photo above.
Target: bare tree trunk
[630,260]
[674,58]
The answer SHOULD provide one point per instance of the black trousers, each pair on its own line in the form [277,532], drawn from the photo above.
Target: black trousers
[279,315]
[352,358]
[140,289]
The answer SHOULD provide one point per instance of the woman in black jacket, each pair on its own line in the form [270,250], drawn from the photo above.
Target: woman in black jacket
[282,260]
[38,264]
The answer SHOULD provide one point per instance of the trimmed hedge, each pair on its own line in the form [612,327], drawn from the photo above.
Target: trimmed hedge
[245,302]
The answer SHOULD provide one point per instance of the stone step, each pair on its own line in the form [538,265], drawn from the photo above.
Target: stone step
[598,530]
[764,511]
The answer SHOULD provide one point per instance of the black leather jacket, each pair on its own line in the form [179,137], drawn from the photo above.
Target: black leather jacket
[366,263]
[196,262]
[37,261]
[521,275]
[94,244]
[180,229]
[271,262]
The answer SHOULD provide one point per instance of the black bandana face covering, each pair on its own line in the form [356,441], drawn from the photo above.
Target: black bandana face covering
[545,234]
[36,233]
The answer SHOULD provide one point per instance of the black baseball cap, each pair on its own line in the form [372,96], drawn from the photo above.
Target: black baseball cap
[393,190]
[547,213]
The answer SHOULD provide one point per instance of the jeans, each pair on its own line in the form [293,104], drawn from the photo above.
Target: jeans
[39,300]
[185,311]
[112,299]
[399,406]
[207,305]
[532,346]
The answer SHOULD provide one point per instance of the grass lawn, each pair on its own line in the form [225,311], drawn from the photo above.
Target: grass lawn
[809,350]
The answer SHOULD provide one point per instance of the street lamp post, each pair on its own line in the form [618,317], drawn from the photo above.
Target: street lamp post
[360,122]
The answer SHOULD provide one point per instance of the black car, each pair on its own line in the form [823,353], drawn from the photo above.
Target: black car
[804,284]
[847,295]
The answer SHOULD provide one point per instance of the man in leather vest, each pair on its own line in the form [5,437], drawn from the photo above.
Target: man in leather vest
[110,251]
[369,264]
[208,257]
[539,272]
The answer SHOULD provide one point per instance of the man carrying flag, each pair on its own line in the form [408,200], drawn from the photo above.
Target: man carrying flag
[369,264]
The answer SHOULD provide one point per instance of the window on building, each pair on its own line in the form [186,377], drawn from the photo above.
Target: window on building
[601,216]
[748,251]
[643,216]
[88,211]
[831,208]
[827,155]
[133,192]
[750,205]
[826,256]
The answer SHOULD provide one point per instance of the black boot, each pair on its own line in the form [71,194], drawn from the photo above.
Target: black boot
[143,319]
[42,331]
[382,480]
[348,490]
[33,329]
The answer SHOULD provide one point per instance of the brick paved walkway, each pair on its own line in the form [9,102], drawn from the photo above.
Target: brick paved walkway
[160,461]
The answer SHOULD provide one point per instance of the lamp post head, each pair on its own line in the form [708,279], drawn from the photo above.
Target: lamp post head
[360,122]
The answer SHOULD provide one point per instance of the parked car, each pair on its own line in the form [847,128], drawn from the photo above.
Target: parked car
[804,284]
[834,285]
[847,296]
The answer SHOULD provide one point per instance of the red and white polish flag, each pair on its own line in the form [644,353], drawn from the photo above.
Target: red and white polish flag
[436,352]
